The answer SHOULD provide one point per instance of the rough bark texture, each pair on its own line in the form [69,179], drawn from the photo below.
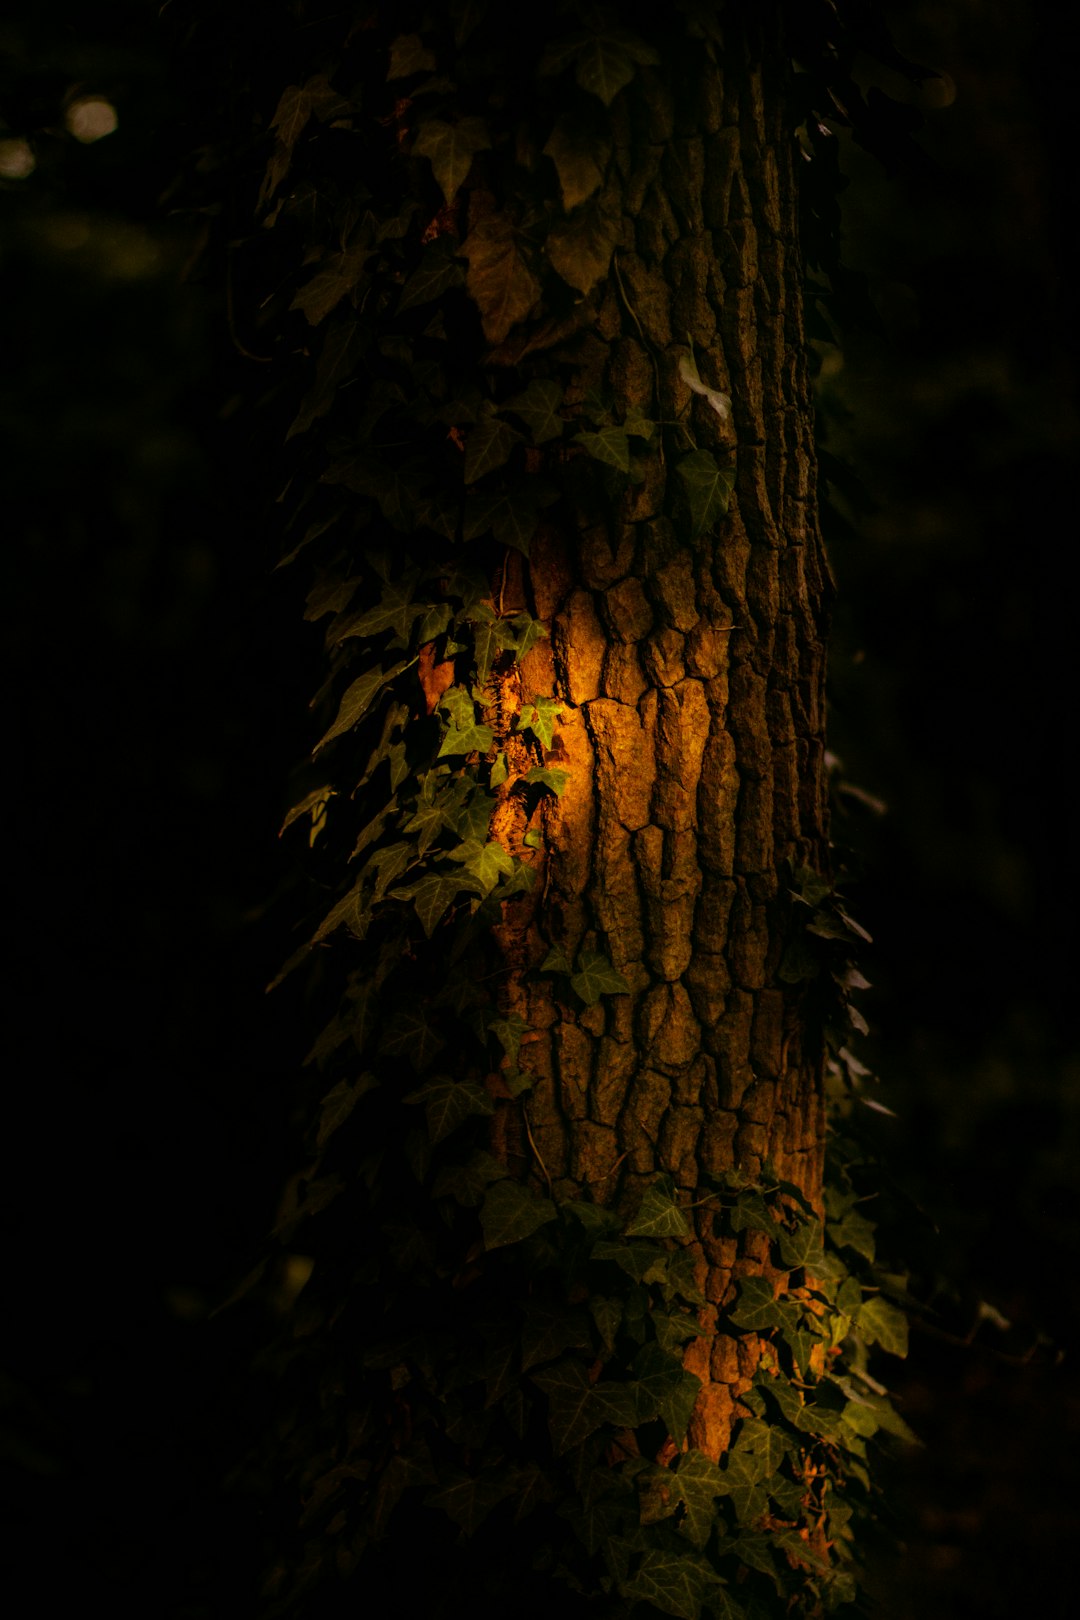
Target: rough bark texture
[693,677]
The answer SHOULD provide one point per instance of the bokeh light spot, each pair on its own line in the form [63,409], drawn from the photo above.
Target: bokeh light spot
[91,118]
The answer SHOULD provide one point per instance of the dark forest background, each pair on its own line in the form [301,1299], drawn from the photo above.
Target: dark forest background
[155,681]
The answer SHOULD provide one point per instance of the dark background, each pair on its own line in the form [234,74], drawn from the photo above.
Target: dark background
[156,676]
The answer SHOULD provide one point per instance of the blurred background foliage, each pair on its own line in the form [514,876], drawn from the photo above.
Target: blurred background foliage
[156,674]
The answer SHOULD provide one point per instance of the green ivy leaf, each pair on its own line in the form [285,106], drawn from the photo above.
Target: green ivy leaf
[468,1498]
[488,863]
[659,1214]
[605,65]
[666,1389]
[468,1183]
[405,1468]
[553,777]
[538,407]
[742,1476]
[432,895]
[450,148]
[879,1322]
[512,1212]
[551,1329]
[764,1440]
[756,1310]
[489,446]
[409,55]
[609,445]
[581,152]
[640,1261]
[395,610]
[357,700]
[708,489]
[576,1407]
[474,739]
[499,281]
[449,1103]
[802,1247]
[698,1483]
[556,961]
[338,275]
[674,1583]
[607,1314]
[436,273]
[410,1035]
[339,1103]
[539,718]
[342,347]
[595,976]
[499,771]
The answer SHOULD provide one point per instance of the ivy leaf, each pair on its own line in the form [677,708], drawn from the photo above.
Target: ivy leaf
[553,777]
[604,67]
[879,1322]
[675,1583]
[356,700]
[488,642]
[853,1231]
[764,1440]
[659,1214]
[290,118]
[395,610]
[756,1310]
[666,1389]
[337,276]
[469,1498]
[595,976]
[408,55]
[489,446]
[573,1409]
[549,1330]
[580,152]
[681,1282]
[449,1103]
[342,347]
[698,1482]
[538,407]
[468,1183]
[436,273]
[803,1247]
[405,1469]
[742,1476]
[611,446]
[672,1331]
[499,281]
[410,1035]
[512,1212]
[539,717]
[580,248]
[339,1103]
[607,1314]
[434,622]
[556,961]
[751,1210]
[431,896]
[708,488]
[638,1260]
[474,739]
[450,149]
[489,863]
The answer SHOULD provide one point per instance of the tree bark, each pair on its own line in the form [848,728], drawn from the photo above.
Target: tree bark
[693,676]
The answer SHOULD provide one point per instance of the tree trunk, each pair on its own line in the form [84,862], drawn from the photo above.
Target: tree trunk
[606,819]
[692,673]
